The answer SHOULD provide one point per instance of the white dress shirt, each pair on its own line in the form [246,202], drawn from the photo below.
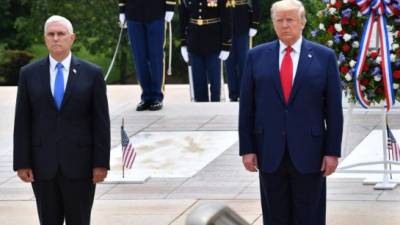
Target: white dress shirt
[53,71]
[295,54]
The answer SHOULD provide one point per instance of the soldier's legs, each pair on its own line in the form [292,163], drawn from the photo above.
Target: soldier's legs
[213,64]
[138,39]
[231,67]
[155,34]
[242,42]
[199,78]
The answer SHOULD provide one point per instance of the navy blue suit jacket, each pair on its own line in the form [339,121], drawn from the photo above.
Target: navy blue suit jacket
[311,123]
[74,139]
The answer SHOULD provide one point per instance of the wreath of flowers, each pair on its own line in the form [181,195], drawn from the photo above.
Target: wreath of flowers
[340,26]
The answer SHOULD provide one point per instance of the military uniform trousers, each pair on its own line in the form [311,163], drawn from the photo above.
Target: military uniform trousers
[147,43]
[235,64]
[206,70]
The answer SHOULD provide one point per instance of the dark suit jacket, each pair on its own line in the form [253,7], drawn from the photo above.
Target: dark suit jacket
[310,124]
[75,139]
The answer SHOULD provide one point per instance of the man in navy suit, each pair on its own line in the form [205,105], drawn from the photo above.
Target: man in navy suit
[290,119]
[62,129]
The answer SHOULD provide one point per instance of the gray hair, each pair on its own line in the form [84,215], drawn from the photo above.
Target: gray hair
[289,4]
[56,18]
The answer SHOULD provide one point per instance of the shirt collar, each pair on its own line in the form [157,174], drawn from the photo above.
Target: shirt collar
[296,46]
[66,62]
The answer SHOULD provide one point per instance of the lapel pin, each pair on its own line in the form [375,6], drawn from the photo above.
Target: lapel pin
[309,56]
[74,71]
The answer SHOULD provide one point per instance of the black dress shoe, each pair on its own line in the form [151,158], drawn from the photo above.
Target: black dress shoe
[143,105]
[234,99]
[154,106]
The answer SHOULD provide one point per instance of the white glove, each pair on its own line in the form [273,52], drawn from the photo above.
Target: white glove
[168,16]
[184,53]
[252,32]
[122,21]
[223,55]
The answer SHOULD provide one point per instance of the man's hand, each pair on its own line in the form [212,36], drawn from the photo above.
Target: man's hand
[223,55]
[25,175]
[185,54]
[122,20]
[99,174]
[250,162]
[252,32]
[329,165]
[168,16]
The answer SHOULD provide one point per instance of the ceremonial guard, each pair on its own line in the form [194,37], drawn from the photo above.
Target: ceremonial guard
[206,32]
[245,22]
[145,22]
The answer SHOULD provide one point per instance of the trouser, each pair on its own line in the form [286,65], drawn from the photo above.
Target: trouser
[147,43]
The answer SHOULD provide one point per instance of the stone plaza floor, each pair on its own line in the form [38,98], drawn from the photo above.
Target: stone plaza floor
[168,200]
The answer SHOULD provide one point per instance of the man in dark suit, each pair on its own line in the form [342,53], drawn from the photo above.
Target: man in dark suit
[62,129]
[290,119]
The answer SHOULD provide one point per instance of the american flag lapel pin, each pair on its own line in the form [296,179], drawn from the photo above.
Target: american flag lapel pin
[74,70]
[309,56]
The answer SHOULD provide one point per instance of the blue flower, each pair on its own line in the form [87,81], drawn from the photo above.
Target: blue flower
[314,33]
[376,71]
[341,57]
[346,13]
[354,35]
[326,1]
[336,38]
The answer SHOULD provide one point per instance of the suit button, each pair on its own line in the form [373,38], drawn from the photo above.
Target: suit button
[283,133]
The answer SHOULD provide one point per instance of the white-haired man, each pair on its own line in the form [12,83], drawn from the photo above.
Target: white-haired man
[290,119]
[62,129]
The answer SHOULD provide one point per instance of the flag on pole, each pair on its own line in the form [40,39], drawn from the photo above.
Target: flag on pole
[392,146]
[128,152]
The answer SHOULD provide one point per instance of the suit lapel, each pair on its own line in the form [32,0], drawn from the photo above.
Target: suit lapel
[305,59]
[72,77]
[44,74]
[273,57]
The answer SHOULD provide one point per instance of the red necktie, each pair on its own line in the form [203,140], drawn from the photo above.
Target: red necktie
[287,73]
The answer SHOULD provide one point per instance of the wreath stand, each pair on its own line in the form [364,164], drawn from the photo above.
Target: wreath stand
[386,183]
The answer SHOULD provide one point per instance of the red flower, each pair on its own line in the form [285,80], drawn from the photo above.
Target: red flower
[374,54]
[396,74]
[352,1]
[346,48]
[398,35]
[344,69]
[364,81]
[366,67]
[338,4]
[331,29]
[353,22]
[345,21]
[398,51]
[379,90]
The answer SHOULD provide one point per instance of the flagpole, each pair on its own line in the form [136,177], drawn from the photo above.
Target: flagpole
[122,150]
[390,154]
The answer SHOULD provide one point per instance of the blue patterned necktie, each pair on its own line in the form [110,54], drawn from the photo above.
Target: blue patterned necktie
[59,86]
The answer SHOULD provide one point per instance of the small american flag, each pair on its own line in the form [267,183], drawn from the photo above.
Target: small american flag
[392,146]
[128,152]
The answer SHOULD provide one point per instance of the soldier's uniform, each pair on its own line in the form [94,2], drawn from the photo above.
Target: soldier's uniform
[245,16]
[145,21]
[206,29]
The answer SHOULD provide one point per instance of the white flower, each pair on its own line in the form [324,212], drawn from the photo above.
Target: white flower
[338,27]
[392,57]
[321,26]
[378,59]
[362,87]
[359,14]
[355,44]
[332,11]
[329,43]
[348,77]
[347,37]
[333,2]
[395,46]
[389,28]
[395,86]
[377,78]
[345,1]
[352,63]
